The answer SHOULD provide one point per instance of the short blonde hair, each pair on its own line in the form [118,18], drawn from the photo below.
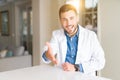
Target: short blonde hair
[67,7]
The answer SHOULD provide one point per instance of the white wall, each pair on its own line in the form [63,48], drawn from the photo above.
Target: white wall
[109,22]
[36,31]
[48,19]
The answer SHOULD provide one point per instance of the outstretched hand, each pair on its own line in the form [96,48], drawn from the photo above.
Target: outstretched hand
[49,54]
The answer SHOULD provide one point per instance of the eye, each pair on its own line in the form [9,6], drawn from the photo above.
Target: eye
[64,19]
[71,18]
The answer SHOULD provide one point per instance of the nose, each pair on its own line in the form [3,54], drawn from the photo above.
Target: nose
[68,22]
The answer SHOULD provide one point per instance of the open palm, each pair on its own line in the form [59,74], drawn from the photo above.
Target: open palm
[49,54]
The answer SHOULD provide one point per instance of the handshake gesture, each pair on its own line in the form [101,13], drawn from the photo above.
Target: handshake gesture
[49,54]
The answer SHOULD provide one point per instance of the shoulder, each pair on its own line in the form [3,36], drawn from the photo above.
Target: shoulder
[87,32]
[59,32]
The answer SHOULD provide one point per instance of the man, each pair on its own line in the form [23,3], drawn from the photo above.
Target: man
[73,47]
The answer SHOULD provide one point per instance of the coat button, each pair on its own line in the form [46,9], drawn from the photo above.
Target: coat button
[72,56]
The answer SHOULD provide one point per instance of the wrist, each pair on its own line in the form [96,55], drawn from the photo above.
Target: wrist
[76,66]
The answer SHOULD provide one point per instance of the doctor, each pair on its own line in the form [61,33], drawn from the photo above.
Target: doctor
[73,47]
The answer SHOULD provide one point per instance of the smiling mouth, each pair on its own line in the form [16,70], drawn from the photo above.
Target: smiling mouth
[70,27]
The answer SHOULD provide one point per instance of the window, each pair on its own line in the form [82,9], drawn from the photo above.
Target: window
[89,14]
[4,23]
[87,10]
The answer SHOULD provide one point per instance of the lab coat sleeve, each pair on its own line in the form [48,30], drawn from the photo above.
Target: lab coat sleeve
[97,60]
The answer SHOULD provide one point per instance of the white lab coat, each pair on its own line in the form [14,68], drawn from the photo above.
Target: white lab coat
[90,53]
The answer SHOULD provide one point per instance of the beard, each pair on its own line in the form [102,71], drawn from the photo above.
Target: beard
[71,29]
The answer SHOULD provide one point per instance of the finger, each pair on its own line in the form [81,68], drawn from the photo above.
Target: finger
[52,57]
[64,66]
[55,62]
[47,43]
[49,46]
[65,69]
[49,51]
[66,63]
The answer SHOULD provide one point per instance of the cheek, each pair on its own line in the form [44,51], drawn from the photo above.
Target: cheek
[63,23]
[74,22]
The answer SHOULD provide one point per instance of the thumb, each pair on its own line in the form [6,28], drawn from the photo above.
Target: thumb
[54,60]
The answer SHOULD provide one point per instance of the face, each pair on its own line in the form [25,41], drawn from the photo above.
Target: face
[69,21]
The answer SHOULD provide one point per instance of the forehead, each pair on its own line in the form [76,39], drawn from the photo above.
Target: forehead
[69,13]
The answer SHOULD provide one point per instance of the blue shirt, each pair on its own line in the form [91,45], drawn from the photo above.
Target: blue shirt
[72,47]
[72,43]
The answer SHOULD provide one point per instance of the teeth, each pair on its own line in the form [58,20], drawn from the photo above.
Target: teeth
[70,27]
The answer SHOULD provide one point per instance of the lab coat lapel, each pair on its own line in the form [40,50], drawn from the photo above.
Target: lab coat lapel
[63,48]
[80,40]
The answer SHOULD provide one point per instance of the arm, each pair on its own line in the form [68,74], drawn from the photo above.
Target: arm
[97,60]
[48,54]
[50,50]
